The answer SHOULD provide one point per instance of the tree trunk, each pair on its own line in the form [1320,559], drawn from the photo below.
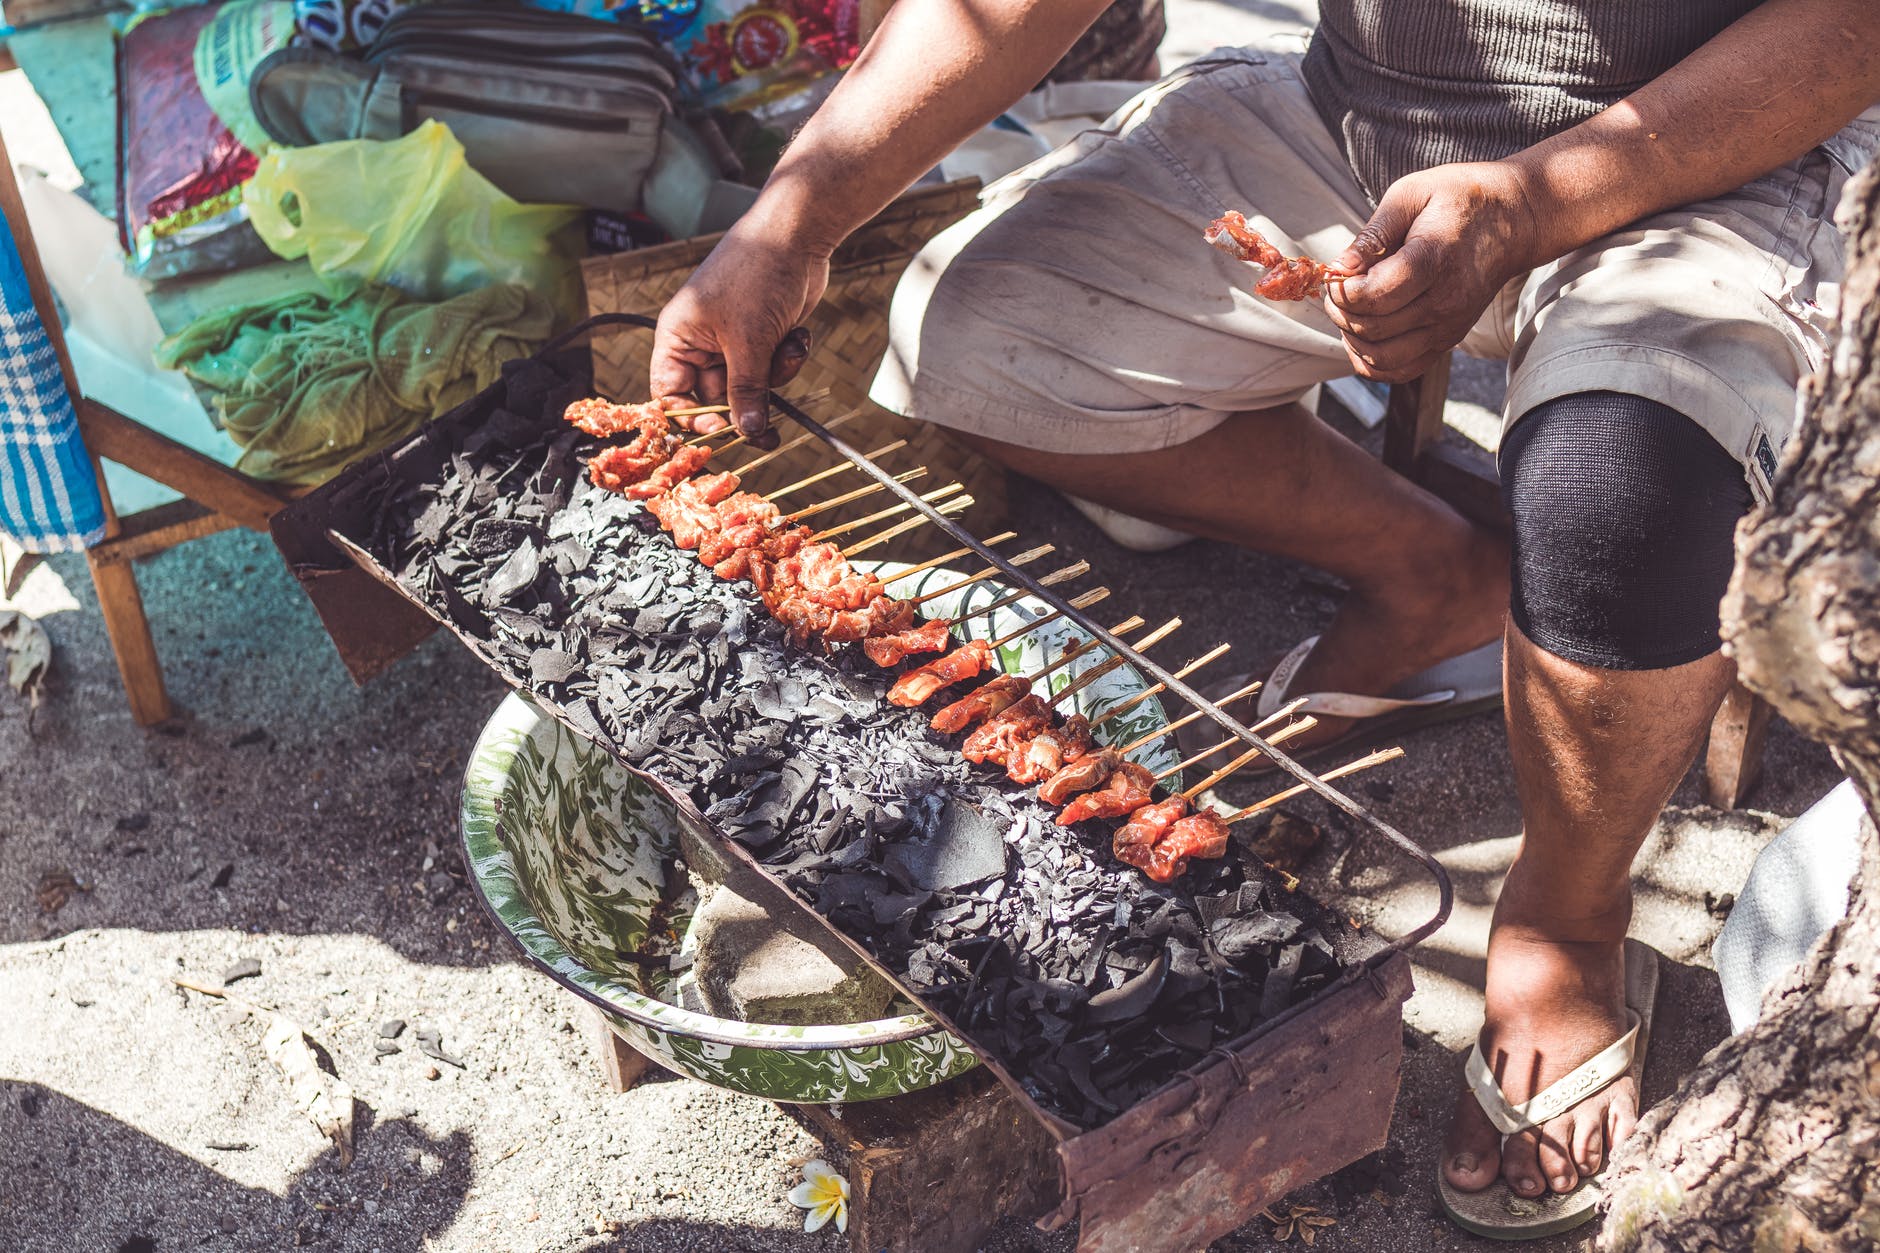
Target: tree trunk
[1773,1143]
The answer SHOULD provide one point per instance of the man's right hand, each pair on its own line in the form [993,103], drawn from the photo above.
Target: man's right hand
[735,329]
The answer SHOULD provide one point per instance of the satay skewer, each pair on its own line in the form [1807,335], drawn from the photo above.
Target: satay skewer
[838,501]
[1378,758]
[828,473]
[955,505]
[1212,654]
[934,562]
[1171,727]
[893,511]
[1062,575]
[1277,716]
[1082,567]
[1278,737]
[790,445]
[1096,672]
[709,436]
[1084,601]
[699,411]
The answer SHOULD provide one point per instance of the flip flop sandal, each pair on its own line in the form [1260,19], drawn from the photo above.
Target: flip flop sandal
[1496,1212]
[1465,684]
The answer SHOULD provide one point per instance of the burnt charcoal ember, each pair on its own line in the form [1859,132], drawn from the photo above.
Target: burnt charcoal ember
[1092,985]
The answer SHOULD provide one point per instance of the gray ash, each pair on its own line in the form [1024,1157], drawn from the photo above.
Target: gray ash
[1088,982]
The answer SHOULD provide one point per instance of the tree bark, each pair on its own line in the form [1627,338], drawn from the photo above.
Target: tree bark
[1773,1143]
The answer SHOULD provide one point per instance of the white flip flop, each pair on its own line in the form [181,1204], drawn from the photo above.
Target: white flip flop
[1465,684]
[1496,1212]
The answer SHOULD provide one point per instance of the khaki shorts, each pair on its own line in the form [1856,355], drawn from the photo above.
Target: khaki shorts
[1078,311]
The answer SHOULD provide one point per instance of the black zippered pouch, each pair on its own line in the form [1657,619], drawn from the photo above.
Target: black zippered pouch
[551,107]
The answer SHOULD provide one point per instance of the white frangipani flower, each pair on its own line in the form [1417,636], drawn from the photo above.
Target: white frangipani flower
[825,1194]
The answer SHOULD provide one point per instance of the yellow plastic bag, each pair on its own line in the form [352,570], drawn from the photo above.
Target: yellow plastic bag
[410,213]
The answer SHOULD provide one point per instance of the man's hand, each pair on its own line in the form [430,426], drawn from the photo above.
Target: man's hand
[735,329]
[1442,243]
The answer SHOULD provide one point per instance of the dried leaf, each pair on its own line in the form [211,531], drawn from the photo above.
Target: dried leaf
[321,1097]
[1288,842]
[56,888]
[29,655]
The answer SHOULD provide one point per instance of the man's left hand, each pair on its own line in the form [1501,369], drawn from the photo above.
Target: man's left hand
[1442,243]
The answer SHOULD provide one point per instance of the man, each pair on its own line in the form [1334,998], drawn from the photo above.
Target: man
[1631,199]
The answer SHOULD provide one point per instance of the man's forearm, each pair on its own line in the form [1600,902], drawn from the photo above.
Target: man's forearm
[1773,85]
[935,72]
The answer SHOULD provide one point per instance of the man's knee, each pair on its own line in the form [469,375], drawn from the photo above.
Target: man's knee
[1624,516]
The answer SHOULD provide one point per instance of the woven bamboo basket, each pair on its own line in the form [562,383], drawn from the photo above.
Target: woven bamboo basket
[850,337]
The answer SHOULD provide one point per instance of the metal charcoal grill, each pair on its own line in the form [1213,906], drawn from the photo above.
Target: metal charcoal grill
[1303,1093]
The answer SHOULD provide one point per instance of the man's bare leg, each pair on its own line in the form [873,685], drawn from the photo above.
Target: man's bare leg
[1426,584]
[1597,753]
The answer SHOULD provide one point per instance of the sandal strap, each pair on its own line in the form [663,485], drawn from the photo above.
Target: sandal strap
[1596,1073]
[1332,704]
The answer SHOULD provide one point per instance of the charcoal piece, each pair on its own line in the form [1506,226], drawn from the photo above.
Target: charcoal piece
[887,907]
[1132,999]
[493,539]
[1244,936]
[1192,1037]
[516,574]
[1276,993]
[569,555]
[429,526]
[246,968]
[552,665]
[965,847]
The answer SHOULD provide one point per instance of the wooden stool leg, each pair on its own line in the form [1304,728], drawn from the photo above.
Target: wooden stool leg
[124,620]
[623,1064]
[1413,419]
[1733,758]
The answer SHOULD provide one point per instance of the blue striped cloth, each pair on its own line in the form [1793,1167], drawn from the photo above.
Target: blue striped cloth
[49,498]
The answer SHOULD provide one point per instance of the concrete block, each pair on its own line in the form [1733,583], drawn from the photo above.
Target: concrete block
[759,965]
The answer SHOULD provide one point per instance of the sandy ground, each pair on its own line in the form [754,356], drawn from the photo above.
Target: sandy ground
[291,818]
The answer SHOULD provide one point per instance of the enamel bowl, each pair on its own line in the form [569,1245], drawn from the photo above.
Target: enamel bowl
[579,860]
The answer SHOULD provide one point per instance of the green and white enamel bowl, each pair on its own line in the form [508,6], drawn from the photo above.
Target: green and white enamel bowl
[578,858]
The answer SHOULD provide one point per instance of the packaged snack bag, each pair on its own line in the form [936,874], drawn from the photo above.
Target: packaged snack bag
[187,139]
[740,53]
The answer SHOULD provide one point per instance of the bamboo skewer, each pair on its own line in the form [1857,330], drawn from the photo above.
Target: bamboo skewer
[1064,575]
[1278,737]
[943,558]
[1098,671]
[1277,716]
[1084,601]
[1212,654]
[708,436]
[1378,758]
[1179,723]
[831,472]
[1072,654]
[699,411]
[811,510]
[1083,567]
[1190,793]
[954,505]
[790,445]
[892,511]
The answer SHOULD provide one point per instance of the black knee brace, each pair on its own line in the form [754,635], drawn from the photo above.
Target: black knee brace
[1624,516]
